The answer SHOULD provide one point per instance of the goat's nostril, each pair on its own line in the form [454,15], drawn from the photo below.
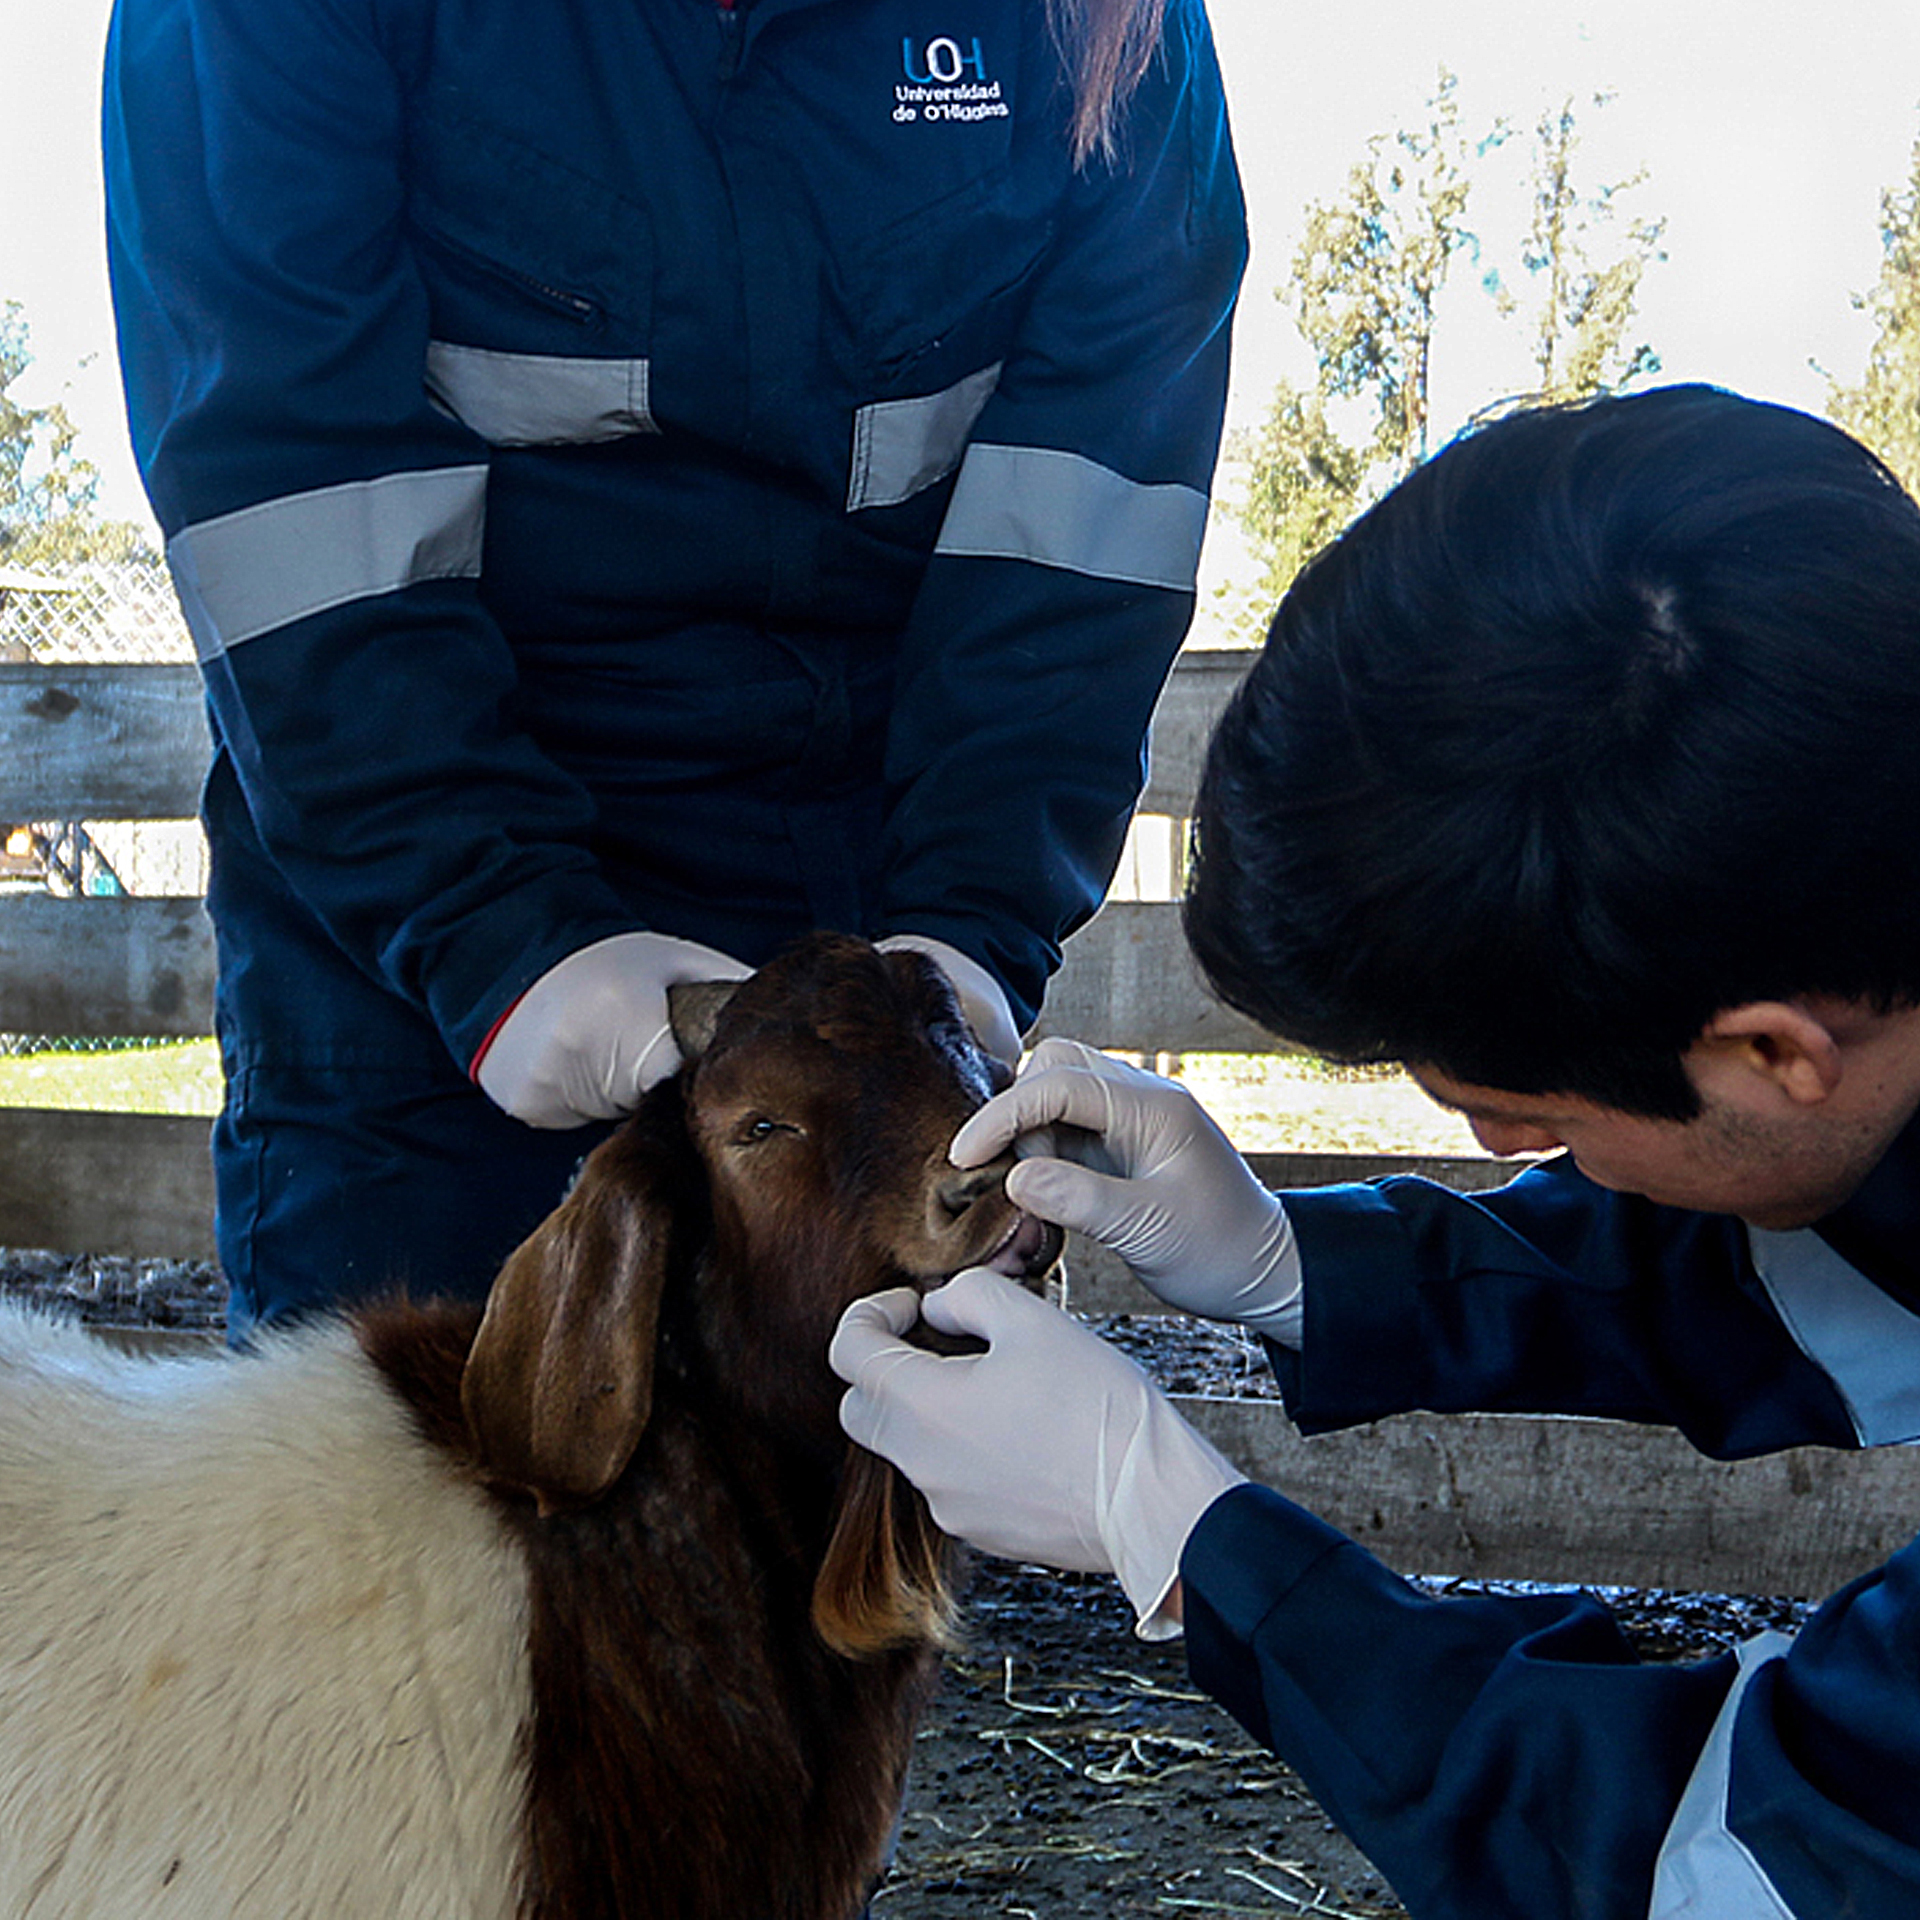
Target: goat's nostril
[960,1190]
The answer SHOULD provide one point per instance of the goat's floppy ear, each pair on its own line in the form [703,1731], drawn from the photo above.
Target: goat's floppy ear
[559,1383]
[693,1010]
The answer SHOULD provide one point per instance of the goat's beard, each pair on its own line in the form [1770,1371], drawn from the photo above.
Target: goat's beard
[886,1579]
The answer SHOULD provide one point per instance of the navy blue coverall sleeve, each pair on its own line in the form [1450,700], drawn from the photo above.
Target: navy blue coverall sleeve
[1547,1295]
[324,519]
[1504,1757]
[1063,580]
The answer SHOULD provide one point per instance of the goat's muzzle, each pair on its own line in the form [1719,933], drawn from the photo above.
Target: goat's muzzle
[1023,1248]
[962,1189]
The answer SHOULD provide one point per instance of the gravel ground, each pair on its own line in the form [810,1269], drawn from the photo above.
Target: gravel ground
[1066,1768]
[107,1291]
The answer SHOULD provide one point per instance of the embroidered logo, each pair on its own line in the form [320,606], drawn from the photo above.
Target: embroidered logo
[946,80]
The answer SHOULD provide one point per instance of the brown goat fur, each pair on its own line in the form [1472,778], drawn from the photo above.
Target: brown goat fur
[735,1613]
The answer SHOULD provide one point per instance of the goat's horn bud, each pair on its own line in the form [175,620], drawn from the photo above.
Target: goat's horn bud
[693,1009]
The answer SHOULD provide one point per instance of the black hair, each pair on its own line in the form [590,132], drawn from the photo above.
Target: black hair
[1602,721]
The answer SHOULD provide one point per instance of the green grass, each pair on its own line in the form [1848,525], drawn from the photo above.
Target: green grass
[180,1078]
[1266,1102]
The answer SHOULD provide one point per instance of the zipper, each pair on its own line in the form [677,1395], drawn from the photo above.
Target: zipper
[573,306]
[580,309]
[728,12]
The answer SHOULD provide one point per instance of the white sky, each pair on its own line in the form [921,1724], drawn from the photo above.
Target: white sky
[1769,128]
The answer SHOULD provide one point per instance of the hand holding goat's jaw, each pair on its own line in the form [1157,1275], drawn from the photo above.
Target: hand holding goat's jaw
[1048,1446]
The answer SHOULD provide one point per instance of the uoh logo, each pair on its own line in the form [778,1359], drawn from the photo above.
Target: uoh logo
[943,61]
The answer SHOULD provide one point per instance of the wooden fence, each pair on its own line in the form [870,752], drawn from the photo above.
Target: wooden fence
[1483,1496]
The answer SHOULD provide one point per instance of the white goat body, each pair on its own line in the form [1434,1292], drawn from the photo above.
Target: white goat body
[263,1651]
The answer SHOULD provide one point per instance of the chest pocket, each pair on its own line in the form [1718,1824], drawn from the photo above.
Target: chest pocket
[539,285]
[941,290]
[942,293]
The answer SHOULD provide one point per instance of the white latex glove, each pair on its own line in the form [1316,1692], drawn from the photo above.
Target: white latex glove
[980,995]
[590,1036]
[1135,1162]
[1051,1446]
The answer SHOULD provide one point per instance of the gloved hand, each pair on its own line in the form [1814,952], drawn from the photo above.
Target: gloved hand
[590,1036]
[1051,1446]
[1135,1162]
[980,995]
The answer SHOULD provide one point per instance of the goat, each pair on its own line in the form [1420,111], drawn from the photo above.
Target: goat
[570,1607]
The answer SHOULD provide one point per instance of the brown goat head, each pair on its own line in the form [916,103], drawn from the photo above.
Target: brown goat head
[814,1118]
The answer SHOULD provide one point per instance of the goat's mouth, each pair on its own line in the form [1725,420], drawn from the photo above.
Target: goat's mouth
[1028,1251]
[971,1222]
[1028,1248]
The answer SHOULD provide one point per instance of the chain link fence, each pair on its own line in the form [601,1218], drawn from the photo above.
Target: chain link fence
[87,616]
[93,613]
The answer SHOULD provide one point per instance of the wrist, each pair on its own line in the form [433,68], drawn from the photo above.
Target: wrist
[1169,1477]
[1272,1303]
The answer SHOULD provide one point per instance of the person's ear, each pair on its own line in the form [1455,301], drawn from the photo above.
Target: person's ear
[1791,1049]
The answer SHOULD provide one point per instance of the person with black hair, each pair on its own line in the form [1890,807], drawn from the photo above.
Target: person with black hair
[1580,776]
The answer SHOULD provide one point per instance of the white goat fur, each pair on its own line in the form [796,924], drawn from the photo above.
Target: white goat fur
[262,1651]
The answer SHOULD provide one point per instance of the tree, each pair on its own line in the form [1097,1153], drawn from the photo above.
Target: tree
[1370,269]
[1303,484]
[1884,409]
[1582,310]
[1364,290]
[47,489]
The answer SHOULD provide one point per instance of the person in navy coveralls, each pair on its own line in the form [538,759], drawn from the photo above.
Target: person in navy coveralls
[644,482]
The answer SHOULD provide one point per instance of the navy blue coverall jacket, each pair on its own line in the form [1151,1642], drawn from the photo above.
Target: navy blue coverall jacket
[719,469]
[1502,1757]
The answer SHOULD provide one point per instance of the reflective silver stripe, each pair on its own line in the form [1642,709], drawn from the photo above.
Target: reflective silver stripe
[1865,1341]
[1705,1871]
[540,399]
[246,573]
[902,446]
[1063,510]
